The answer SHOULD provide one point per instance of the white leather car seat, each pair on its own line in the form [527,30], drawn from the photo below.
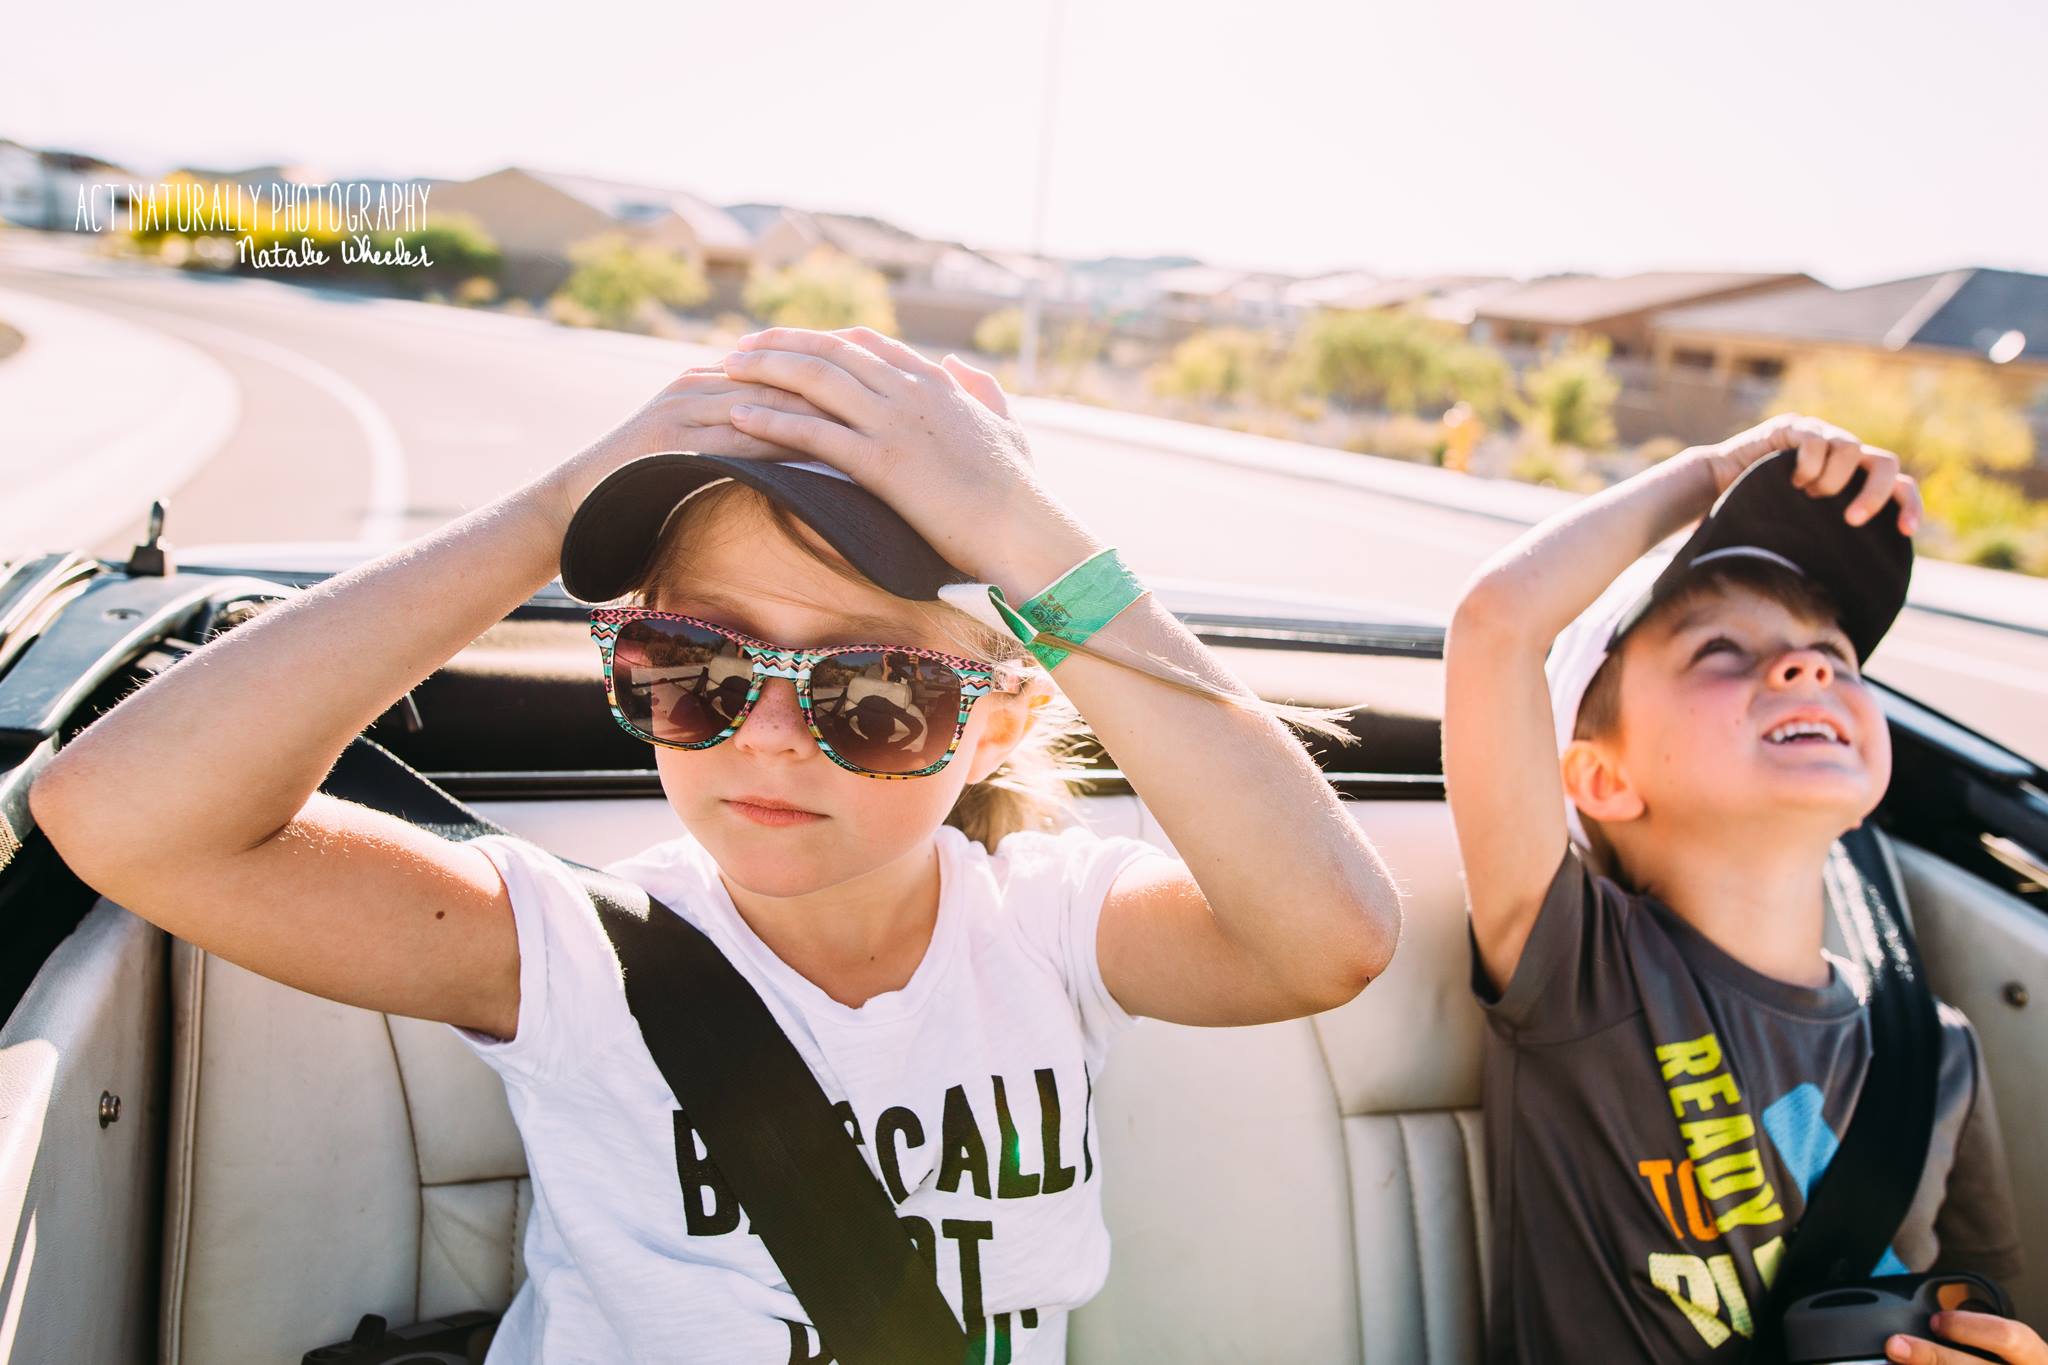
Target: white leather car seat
[1310,1190]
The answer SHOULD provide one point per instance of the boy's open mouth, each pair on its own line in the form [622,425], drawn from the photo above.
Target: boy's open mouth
[1805,731]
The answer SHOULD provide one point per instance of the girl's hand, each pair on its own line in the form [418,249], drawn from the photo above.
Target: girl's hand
[934,441]
[691,413]
[1828,458]
[2010,1341]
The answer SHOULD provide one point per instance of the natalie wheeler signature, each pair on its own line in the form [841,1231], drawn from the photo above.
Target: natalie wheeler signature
[354,250]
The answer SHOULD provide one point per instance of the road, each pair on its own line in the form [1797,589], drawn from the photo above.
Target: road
[394,417]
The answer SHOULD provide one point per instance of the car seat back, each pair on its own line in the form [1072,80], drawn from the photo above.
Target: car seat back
[1310,1190]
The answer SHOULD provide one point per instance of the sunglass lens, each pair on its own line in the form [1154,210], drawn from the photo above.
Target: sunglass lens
[678,683]
[883,711]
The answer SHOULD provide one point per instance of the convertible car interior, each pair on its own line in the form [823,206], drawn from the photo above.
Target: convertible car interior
[201,1166]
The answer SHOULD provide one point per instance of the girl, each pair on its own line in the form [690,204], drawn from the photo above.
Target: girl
[951,970]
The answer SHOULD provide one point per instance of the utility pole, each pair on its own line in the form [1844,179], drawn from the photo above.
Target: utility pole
[1034,283]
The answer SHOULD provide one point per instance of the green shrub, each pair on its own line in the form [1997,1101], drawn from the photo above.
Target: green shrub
[1568,400]
[1220,364]
[1402,437]
[1400,361]
[825,290]
[1559,466]
[478,291]
[1995,550]
[458,246]
[1081,344]
[1972,505]
[1000,333]
[615,279]
[1950,427]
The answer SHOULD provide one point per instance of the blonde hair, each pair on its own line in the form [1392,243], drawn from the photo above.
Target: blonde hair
[1030,789]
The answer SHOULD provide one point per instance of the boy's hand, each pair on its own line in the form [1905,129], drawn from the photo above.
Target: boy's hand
[1828,458]
[934,441]
[2010,1341]
[1501,768]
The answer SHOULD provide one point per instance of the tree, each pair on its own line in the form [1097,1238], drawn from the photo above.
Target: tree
[616,278]
[1477,376]
[1568,400]
[1219,363]
[1400,361]
[824,290]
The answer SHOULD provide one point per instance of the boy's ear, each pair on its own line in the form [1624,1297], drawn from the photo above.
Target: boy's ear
[1597,784]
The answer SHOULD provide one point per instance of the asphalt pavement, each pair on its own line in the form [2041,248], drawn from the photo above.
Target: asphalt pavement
[384,418]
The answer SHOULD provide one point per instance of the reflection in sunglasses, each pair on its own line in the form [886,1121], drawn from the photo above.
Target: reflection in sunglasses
[880,710]
[883,712]
[881,721]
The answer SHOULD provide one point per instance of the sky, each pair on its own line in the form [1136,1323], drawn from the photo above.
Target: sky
[1857,141]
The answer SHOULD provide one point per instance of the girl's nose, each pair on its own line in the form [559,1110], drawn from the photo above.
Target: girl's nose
[776,724]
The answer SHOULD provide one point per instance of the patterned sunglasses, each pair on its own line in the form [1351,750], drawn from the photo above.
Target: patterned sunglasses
[878,710]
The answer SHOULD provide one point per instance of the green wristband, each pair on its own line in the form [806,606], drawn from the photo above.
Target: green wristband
[1082,601]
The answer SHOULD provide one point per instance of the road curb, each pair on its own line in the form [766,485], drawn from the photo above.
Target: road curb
[102,416]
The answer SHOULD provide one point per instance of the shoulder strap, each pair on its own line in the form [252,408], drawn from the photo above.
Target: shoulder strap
[823,1216]
[1854,1210]
[826,1220]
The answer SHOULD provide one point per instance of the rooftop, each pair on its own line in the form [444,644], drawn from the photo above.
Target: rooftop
[629,203]
[1571,300]
[1971,309]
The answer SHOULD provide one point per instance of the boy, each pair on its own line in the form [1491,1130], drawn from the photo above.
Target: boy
[1701,736]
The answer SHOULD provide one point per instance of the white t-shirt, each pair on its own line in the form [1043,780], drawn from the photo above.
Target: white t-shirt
[999,1032]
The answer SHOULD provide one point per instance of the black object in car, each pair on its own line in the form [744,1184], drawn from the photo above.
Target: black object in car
[458,1339]
[1854,1322]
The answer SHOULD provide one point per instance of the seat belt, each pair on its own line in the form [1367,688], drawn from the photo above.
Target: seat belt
[824,1217]
[1853,1211]
[792,1165]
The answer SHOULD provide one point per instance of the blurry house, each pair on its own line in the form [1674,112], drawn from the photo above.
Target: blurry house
[1548,314]
[783,235]
[1452,298]
[1009,274]
[1193,297]
[274,193]
[42,188]
[253,177]
[1343,291]
[941,291]
[1992,321]
[21,185]
[537,216]
[1121,287]
[966,284]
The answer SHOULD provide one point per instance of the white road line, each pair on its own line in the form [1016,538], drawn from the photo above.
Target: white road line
[390,492]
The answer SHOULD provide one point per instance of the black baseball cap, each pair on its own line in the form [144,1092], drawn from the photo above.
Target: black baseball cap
[612,536]
[1865,569]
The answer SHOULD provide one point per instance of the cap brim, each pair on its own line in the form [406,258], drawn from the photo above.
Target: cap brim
[1866,569]
[611,538]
